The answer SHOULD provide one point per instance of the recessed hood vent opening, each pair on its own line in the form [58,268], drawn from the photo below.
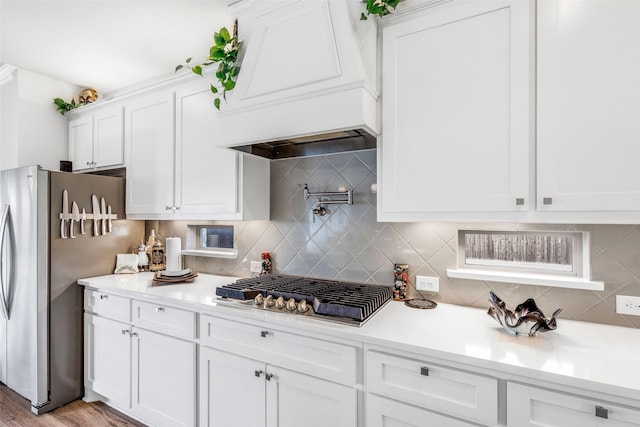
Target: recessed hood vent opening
[334,142]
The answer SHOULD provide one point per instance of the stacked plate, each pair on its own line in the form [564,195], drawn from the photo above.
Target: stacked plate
[167,277]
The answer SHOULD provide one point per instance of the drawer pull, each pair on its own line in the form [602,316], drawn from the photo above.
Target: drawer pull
[159,309]
[257,373]
[519,201]
[602,412]
[134,334]
[547,200]
[424,371]
[125,331]
[263,334]
[103,296]
[268,377]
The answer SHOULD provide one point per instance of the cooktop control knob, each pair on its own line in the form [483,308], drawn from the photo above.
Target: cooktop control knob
[291,304]
[302,306]
[259,299]
[268,301]
[280,303]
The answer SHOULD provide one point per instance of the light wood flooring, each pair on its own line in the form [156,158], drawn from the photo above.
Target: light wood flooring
[15,411]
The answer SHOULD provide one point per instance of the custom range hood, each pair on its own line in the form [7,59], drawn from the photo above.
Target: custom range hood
[307,84]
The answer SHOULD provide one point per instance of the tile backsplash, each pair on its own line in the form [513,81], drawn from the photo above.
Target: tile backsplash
[348,244]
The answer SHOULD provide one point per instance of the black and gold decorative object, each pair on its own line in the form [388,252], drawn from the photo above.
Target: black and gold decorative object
[157,261]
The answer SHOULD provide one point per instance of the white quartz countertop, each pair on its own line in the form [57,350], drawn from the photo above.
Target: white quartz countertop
[597,357]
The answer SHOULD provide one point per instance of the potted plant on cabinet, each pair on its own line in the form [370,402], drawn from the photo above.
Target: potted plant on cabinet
[224,52]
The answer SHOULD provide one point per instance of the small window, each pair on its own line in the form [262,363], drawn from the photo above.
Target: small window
[524,251]
[210,241]
[218,237]
[546,258]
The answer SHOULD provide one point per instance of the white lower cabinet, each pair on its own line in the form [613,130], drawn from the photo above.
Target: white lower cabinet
[532,406]
[107,367]
[256,376]
[147,373]
[383,412]
[239,392]
[163,373]
[431,387]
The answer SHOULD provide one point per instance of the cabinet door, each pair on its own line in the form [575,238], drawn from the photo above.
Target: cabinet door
[456,112]
[231,390]
[108,137]
[588,99]
[382,412]
[206,176]
[530,406]
[164,379]
[295,399]
[81,143]
[149,154]
[108,359]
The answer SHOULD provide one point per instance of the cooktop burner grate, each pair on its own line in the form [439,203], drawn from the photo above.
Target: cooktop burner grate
[331,298]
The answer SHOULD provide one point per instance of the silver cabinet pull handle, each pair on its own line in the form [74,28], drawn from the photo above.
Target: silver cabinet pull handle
[103,296]
[263,334]
[519,201]
[125,331]
[268,377]
[602,412]
[134,334]
[547,200]
[159,309]
[424,371]
[3,228]
[257,373]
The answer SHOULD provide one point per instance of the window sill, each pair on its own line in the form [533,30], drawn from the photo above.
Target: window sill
[216,253]
[526,279]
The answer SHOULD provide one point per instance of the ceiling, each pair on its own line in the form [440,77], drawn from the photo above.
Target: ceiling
[107,45]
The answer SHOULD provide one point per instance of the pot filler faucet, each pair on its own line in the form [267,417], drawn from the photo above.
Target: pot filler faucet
[318,207]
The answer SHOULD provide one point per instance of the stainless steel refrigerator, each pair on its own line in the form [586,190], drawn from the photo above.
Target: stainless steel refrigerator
[40,303]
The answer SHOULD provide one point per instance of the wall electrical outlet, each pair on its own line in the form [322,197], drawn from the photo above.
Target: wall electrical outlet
[428,283]
[628,305]
[256,266]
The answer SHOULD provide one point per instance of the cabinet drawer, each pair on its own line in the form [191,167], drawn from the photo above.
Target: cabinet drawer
[450,391]
[107,305]
[324,359]
[383,412]
[531,406]
[166,320]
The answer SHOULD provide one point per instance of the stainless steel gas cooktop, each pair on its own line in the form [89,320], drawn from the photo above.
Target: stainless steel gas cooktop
[343,302]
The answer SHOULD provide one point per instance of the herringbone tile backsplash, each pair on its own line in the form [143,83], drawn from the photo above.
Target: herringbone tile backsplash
[348,244]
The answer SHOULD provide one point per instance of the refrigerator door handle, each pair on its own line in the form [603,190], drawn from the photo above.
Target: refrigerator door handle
[3,228]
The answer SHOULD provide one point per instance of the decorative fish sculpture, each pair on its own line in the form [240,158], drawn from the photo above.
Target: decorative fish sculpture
[526,319]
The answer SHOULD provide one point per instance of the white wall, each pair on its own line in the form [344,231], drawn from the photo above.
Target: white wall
[33,132]
[8,117]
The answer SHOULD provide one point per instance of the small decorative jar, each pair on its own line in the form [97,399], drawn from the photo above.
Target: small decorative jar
[158,260]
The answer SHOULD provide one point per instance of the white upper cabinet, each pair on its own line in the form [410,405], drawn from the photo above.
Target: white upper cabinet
[174,168]
[199,163]
[149,145]
[456,139]
[588,132]
[96,138]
